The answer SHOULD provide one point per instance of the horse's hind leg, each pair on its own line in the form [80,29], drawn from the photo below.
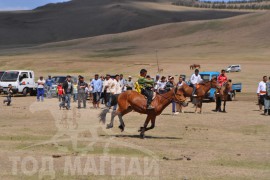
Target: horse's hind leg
[120,116]
[112,120]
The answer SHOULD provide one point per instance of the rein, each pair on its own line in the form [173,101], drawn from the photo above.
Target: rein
[174,93]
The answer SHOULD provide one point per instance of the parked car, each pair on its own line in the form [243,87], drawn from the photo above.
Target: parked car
[22,81]
[233,68]
[59,80]
[207,76]
[1,74]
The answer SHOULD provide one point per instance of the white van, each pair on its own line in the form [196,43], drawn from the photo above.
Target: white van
[22,81]
[233,68]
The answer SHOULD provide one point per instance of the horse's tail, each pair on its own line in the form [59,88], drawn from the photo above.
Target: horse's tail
[102,115]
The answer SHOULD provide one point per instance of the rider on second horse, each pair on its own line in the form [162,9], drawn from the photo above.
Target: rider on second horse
[146,86]
[222,80]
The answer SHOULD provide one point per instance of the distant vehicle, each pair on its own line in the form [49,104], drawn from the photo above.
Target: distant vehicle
[1,74]
[233,68]
[22,81]
[59,80]
[207,76]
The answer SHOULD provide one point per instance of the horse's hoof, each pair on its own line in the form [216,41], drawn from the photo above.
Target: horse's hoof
[224,111]
[142,136]
[122,128]
[109,126]
[140,130]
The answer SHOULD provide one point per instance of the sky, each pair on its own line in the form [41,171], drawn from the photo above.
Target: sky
[6,5]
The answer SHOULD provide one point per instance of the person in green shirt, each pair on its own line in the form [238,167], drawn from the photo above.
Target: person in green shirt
[146,85]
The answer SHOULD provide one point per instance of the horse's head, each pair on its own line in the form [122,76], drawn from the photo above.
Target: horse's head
[179,96]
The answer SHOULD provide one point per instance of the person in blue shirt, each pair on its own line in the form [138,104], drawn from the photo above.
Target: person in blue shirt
[96,84]
[49,82]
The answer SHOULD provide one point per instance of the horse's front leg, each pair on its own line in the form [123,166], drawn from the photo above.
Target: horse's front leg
[143,129]
[153,122]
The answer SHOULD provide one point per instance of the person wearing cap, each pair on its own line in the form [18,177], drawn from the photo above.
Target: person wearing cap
[40,89]
[130,83]
[10,93]
[96,85]
[180,83]
[195,80]
[146,86]
[81,92]
[123,82]
[49,83]
[67,91]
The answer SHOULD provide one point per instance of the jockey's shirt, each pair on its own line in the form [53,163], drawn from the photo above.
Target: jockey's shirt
[145,83]
[222,79]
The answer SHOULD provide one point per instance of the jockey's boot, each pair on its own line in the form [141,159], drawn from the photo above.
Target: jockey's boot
[149,107]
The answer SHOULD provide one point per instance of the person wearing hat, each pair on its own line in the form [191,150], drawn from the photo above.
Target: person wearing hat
[81,92]
[130,83]
[10,93]
[67,91]
[40,89]
[49,83]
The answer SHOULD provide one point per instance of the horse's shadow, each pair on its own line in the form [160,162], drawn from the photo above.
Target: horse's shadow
[138,136]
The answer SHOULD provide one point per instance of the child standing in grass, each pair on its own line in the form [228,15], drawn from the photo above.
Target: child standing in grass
[60,92]
[10,93]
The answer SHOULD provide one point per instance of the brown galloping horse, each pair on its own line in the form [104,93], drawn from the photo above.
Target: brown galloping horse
[222,95]
[201,92]
[195,66]
[132,100]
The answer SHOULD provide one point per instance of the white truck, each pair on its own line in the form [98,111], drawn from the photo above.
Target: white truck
[22,81]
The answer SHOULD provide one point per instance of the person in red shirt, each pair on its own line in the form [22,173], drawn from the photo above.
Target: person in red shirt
[222,79]
[60,92]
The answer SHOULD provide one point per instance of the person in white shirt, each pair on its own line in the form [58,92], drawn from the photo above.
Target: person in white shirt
[40,89]
[130,83]
[161,85]
[261,92]
[194,80]
[108,86]
[116,90]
